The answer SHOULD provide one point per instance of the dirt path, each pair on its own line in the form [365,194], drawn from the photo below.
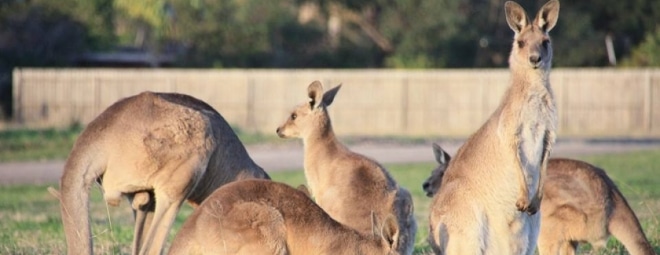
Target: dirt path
[290,157]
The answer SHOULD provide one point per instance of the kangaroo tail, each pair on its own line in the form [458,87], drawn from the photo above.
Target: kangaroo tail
[74,192]
[624,225]
[55,193]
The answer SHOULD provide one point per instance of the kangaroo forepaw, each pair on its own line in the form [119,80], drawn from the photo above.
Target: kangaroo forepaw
[534,205]
[532,209]
[523,205]
[529,208]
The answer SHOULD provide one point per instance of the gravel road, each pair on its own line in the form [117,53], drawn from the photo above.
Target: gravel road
[290,156]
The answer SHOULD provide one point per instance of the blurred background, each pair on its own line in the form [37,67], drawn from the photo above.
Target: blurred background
[413,72]
[293,34]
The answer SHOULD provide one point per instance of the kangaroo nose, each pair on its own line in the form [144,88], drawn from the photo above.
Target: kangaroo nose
[534,59]
[279,132]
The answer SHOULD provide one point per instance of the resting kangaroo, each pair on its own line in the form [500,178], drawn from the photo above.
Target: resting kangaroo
[265,217]
[345,184]
[580,204]
[169,146]
[495,180]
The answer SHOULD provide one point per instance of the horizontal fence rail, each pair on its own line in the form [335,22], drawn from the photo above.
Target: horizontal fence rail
[592,103]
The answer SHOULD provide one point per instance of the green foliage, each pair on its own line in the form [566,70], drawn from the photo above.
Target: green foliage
[48,33]
[647,53]
[38,35]
[422,32]
[254,33]
[98,18]
[234,33]
[149,11]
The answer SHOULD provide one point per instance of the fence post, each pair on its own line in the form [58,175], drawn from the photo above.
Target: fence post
[648,117]
[404,105]
[250,121]
[18,95]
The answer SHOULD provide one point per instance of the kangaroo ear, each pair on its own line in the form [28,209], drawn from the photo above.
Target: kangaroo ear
[441,156]
[390,231]
[547,17]
[515,16]
[375,226]
[315,94]
[329,96]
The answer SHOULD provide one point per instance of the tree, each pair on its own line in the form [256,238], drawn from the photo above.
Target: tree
[647,53]
[35,34]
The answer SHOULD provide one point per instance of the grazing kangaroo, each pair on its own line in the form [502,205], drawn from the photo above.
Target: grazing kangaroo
[154,148]
[495,179]
[347,185]
[265,217]
[580,204]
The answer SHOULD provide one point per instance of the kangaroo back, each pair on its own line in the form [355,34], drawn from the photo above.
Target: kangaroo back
[583,204]
[264,217]
[134,149]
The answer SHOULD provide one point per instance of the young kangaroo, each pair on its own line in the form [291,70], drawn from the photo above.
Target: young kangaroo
[347,185]
[153,148]
[495,180]
[580,204]
[265,217]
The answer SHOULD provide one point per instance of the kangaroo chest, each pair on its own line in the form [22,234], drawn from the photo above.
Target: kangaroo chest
[536,127]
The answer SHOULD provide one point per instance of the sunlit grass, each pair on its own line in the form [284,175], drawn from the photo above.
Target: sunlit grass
[31,221]
[43,144]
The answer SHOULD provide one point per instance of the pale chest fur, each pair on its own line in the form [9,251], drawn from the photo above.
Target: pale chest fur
[538,120]
[535,132]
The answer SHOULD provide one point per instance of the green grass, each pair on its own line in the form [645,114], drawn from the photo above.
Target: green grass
[42,144]
[31,222]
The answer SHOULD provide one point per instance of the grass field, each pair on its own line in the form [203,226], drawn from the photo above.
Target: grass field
[30,219]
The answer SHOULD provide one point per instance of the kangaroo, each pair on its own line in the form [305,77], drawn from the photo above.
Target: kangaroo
[491,190]
[157,149]
[580,204]
[265,217]
[347,185]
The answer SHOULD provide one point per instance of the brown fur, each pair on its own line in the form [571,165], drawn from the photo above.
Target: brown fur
[264,217]
[497,175]
[347,185]
[580,204]
[150,147]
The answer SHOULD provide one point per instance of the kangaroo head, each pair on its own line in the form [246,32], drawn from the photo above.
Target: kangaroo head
[309,117]
[432,184]
[531,44]
[388,232]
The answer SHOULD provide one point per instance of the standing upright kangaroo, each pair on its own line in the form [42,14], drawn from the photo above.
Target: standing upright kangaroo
[347,185]
[170,146]
[492,188]
[580,204]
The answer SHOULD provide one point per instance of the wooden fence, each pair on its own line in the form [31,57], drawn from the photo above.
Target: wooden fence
[375,102]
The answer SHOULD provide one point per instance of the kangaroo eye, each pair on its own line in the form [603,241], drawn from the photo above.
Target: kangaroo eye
[294,116]
[545,43]
[521,44]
